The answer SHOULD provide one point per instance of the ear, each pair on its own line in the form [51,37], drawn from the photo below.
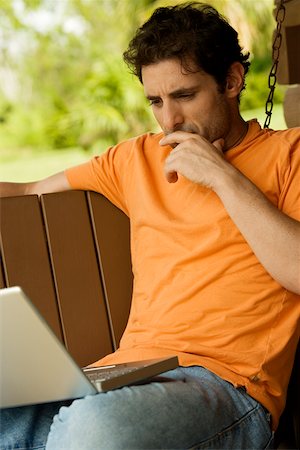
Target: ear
[235,80]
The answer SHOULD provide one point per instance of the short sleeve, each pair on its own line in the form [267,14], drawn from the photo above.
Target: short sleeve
[104,174]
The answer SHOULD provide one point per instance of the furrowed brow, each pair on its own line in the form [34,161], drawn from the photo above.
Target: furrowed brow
[176,92]
[152,97]
[186,90]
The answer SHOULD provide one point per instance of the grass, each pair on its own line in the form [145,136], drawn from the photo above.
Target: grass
[29,165]
[24,165]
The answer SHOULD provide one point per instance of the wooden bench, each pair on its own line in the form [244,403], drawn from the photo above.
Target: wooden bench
[70,252]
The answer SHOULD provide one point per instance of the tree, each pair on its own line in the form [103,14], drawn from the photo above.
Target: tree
[68,83]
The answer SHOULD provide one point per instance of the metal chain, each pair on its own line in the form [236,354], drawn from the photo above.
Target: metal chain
[280,16]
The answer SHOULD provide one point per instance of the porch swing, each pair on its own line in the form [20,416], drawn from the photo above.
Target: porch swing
[286,70]
[286,61]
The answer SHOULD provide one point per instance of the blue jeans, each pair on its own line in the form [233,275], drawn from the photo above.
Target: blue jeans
[183,409]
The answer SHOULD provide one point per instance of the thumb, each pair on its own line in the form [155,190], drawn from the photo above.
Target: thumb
[219,144]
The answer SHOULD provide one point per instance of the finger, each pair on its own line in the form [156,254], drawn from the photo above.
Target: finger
[219,144]
[170,173]
[175,138]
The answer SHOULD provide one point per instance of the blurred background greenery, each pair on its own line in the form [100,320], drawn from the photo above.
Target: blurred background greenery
[65,93]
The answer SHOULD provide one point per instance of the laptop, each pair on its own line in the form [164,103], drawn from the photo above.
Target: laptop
[35,367]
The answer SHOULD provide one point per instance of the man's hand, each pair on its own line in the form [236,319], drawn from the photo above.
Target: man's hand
[195,158]
[273,236]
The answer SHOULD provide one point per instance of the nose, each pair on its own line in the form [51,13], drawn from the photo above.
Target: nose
[172,117]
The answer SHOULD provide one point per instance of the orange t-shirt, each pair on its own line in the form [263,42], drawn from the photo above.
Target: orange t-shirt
[199,290]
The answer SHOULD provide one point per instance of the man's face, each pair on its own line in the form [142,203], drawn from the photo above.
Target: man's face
[186,101]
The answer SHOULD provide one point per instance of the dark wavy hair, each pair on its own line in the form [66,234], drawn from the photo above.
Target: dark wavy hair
[190,32]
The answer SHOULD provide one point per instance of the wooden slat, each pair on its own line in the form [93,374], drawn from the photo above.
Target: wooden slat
[77,277]
[112,232]
[293,39]
[25,255]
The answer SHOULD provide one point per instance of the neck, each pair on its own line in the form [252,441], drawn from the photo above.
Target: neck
[238,134]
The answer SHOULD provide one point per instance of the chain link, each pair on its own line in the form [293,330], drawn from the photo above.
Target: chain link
[280,16]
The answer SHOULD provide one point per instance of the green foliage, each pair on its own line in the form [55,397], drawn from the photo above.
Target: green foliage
[72,87]
[66,84]
[257,90]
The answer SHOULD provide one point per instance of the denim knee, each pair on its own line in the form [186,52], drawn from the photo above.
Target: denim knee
[189,409]
[96,422]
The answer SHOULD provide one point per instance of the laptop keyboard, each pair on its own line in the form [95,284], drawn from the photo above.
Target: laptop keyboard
[107,374]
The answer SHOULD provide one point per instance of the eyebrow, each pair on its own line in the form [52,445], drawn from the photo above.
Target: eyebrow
[177,92]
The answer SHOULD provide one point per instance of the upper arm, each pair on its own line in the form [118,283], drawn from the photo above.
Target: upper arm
[54,183]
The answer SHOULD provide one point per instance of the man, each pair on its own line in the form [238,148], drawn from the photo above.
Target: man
[214,207]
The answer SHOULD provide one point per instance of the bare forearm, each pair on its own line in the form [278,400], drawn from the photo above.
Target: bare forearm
[273,236]
[55,183]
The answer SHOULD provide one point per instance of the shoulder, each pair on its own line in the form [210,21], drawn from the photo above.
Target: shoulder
[288,137]
[141,142]
[136,150]
[287,145]
[274,144]
[288,133]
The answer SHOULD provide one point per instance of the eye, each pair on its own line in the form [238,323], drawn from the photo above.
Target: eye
[186,96]
[155,102]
